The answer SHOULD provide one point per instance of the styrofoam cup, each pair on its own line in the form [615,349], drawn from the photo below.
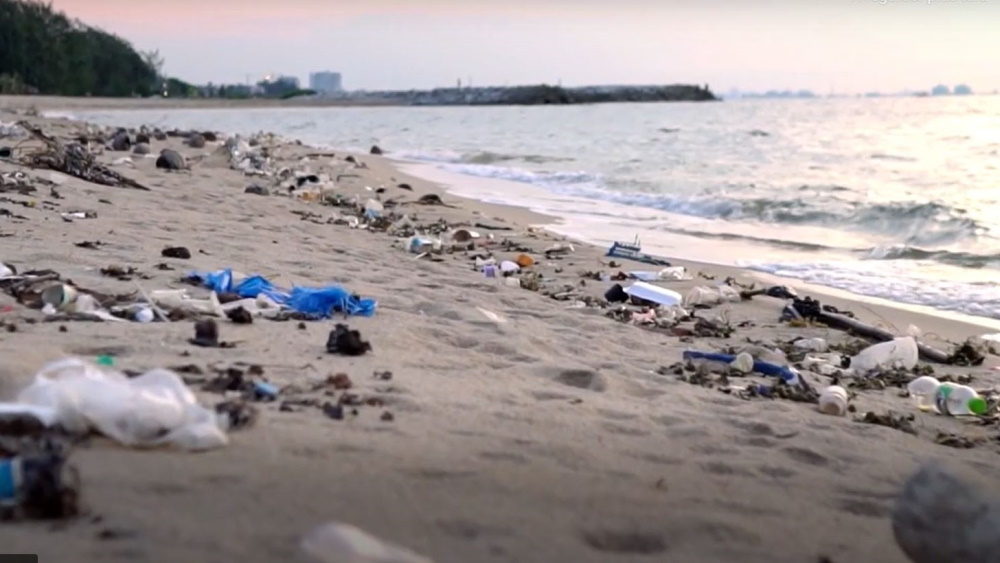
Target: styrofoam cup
[833,401]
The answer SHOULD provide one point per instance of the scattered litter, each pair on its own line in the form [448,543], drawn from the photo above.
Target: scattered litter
[491,315]
[833,401]
[321,302]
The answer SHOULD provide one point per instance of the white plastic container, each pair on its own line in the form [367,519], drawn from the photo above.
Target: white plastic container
[833,401]
[899,352]
[959,400]
[656,294]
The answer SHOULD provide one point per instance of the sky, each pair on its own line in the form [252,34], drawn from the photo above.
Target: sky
[843,46]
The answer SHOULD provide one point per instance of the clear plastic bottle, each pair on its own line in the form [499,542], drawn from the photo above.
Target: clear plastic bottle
[959,400]
[924,389]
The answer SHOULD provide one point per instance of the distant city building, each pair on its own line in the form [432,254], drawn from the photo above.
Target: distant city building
[940,90]
[327,82]
[278,85]
[962,90]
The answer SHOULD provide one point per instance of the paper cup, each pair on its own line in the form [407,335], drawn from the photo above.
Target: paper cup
[59,295]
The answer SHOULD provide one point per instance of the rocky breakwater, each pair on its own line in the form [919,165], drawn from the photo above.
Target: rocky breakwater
[538,95]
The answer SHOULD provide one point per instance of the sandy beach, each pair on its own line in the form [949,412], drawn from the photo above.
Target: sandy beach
[521,427]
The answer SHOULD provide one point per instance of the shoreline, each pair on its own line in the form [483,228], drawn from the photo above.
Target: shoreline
[504,433]
[764,260]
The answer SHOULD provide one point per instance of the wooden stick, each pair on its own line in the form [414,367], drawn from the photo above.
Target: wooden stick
[843,322]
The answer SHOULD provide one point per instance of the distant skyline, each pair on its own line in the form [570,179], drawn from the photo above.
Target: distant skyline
[847,46]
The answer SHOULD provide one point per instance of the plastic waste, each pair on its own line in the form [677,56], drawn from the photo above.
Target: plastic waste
[653,293]
[153,409]
[899,352]
[180,299]
[373,209]
[5,270]
[811,344]
[320,302]
[787,374]
[924,390]
[672,273]
[711,296]
[953,399]
[833,401]
[336,542]
[743,362]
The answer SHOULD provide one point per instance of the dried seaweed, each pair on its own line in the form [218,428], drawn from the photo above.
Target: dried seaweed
[73,159]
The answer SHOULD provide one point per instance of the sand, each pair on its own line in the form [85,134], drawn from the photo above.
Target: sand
[547,437]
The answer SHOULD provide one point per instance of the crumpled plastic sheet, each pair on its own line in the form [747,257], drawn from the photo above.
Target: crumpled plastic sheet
[320,302]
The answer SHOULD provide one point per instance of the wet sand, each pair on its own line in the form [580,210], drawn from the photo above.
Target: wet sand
[552,436]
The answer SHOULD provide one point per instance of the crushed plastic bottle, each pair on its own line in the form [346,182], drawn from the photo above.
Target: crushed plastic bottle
[899,352]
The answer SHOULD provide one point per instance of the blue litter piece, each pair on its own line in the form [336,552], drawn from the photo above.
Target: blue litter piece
[253,286]
[764,368]
[320,302]
[325,301]
[10,481]
[265,390]
[219,282]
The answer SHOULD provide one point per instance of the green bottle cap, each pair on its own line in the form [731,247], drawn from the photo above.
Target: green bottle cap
[977,406]
[105,360]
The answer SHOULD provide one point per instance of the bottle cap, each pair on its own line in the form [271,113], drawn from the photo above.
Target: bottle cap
[977,405]
[105,360]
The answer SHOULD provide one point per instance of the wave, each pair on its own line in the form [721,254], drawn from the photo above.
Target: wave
[481,157]
[962,259]
[913,224]
[980,299]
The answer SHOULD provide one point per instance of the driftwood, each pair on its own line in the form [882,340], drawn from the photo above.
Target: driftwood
[843,322]
[73,159]
[939,518]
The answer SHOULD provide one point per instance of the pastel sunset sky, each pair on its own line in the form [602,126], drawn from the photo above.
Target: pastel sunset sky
[845,45]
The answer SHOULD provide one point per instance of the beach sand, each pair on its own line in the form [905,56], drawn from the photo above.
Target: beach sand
[548,437]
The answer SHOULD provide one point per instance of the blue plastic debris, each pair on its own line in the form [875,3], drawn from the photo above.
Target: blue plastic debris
[764,368]
[320,302]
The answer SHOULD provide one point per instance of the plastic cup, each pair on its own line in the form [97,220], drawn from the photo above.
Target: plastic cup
[833,401]
[59,295]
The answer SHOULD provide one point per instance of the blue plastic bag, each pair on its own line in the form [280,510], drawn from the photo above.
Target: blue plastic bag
[321,302]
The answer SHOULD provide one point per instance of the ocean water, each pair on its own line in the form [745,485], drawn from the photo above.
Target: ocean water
[897,198]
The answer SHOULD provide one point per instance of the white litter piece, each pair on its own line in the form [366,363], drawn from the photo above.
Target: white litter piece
[656,294]
[491,315]
[153,409]
[335,542]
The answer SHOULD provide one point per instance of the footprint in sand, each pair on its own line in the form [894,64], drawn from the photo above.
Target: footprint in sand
[612,541]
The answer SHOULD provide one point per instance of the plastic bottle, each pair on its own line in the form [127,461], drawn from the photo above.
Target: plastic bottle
[959,400]
[898,352]
[924,390]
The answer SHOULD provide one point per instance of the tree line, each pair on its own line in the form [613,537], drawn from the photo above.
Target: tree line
[45,52]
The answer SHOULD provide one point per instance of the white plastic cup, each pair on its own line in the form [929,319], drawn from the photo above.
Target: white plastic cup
[833,401]
[59,295]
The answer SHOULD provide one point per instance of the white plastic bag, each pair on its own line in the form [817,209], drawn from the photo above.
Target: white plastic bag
[151,410]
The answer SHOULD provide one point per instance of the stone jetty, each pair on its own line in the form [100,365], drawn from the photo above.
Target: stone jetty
[530,95]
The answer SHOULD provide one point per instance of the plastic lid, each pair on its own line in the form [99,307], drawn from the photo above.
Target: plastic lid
[105,360]
[977,405]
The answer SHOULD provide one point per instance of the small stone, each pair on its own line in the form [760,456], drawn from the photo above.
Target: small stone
[159,135]
[121,141]
[141,148]
[256,190]
[176,252]
[196,141]
[340,381]
[376,150]
[141,138]
[171,160]
[388,417]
